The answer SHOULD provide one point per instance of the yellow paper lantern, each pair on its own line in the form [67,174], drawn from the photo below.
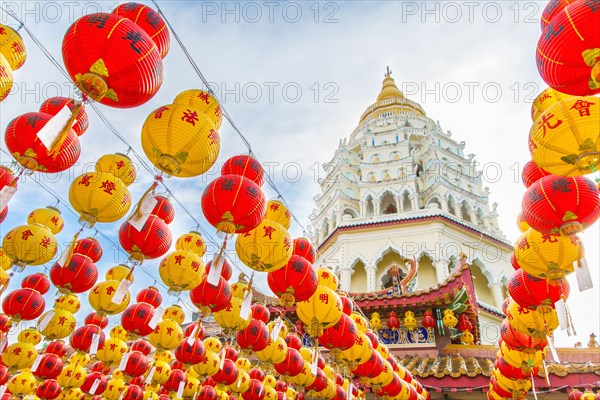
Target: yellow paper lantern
[546,99]
[99,197]
[182,270]
[511,385]
[114,389]
[376,323]
[327,278]
[278,212]
[70,394]
[119,273]
[361,322]
[202,101]
[22,384]
[12,47]
[19,356]
[80,358]
[242,383]
[6,78]
[61,324]
[449,320]
[167,335]
[359,353]
[212,344]
[112,352]
[383,351]
[304,378]
[274,353]
[119,165]
[4,280]
[6,262]
[163,355]
[208,366]
[270,393]
[283,331]
[266,248]
[191,387]
[31,244]
[537,323]
[545,256]
[30,335]
[49,217]
[180,140]
[119,332]
[521,223]
[174,313]
[229,319]
[101,298]
[150,394]
[565,140]
[410,322]
[192,241]
[385,377]
[72,376]
[321,311]
[68,302]
[467,338]
[239,288]
[526,360]
[243,364]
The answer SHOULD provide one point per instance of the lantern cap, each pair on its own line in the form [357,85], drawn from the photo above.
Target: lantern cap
[124,155]
[53,209]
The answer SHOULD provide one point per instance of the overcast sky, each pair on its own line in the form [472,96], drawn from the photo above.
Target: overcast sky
[296,76]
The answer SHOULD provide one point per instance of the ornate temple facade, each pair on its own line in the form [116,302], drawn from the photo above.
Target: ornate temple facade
[404,220]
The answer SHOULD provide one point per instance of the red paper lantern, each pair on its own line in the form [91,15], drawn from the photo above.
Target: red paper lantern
[89,247]
[164,209]
[38,282]
[304,248]
[260,312]
[190,354]
[347,305]
[257,373]
[552,8]
[464,325]
[209,297]
[296,281]
[49,367]
[233,204]
[81,338]
[48,390]
[392,389]
[136,319]
[4,374]
[561,205]
[207,393]
[143,346]
[320,382]
[90,381]
[200,333]
[29,151]
[428,320]
[254,337]
[231,354]
[57,347]
[79,276]
[567,57]
[137,364]
[393,323]
[513,372]
[530,292]
[112,60]
[515,340]
[532,173]
[341,336]
[150,295]
[133,392]
[246,166]
[256,391]
[53,105]
[226,270]
[293,342]
[152,241]
[292,365]
[150,21]
[575,394]
[23,304]
[228,374]
[97,319]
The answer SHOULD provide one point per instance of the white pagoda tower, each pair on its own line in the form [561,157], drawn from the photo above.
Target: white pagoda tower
[399,188]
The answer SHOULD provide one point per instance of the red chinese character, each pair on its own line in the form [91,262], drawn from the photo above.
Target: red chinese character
[204,96]
[523,244]
[213,136]
[583,107]
[546,237]
[110,290]
[54,220]
[85,180]
[190,117]
[218,111]
[120,164]
[62,320]
[324,298]
[17,47]
[546,123]
[195,265]
[268,231]
[274,207]
[45,242]
[108,186]
[286,243]
[187,239]
[3,72]
[159,112]
[25,235]
[178,259]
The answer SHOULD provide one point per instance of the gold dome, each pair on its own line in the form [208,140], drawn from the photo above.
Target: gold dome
[389,88]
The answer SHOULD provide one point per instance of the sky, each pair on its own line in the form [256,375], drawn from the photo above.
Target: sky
[295,77]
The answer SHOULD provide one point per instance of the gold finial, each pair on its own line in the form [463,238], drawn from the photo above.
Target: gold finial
[389,88]
[388,71]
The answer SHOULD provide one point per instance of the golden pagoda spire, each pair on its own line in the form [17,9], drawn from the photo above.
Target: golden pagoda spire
[389,88]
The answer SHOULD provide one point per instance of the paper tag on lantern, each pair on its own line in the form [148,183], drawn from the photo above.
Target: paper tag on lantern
[277,328]
[552,349]
[246,305]
[53,128]
[64,256]
[315,363]
[192,338]
[95,343]
[6,194]
[195,395]
[122,394]
[158,313]
[124,360]
[46,320]
[3,342]
[216,267]
[561,312]
[94,387]
[584,278]
[2,390]
[180,389]
[546,372]
[150,375]
[222,361]
[121,291]
[37,362]
[349,392]
[533,387]
[146,207]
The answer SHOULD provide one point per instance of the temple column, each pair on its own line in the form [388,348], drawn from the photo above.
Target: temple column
[496,288]
[346,278]
[371,278]
[362,208]
[441,270]
[457,210]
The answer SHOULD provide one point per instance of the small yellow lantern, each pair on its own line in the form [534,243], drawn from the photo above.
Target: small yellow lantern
[410,322]
[68,302]
[118,165]
[359,353]
[229,319]
[49,217]
[112,352]
[167,335]
[526,360]
[174,313]
[521,223]
[213,344]
[22,384]
[192,241]
[6,78]
[278,212]
[101,298]
[31,244]
[274,353]
[191,387]
[327,278]
[182,270]
[266,248]
[208,366]
[72,376]
[5,261]
[12,47]
[537,323]
[61,324]
[546,99]
[242,383]
[467,338]
[114,389]
[202,101]
[361,322]
[19,355]
[449,320]
[119,273]
[321,311]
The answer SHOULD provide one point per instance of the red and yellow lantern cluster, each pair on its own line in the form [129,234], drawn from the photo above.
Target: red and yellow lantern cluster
[116,58]
[559,202]
[12,57]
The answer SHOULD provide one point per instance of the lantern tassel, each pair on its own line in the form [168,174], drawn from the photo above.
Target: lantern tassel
[64,132]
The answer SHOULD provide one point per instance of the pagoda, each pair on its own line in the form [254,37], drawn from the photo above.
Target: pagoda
[404,221]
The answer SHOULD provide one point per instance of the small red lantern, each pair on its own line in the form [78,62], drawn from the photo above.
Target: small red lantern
[164,209]
[256,391]
[226,270]
[57,347]
[228,374]
[304,248]
[79,276]
[296,281]
[143,346]
[150,295]
[137,364]
[231,354]
[38,282]
[347,305]
[200,333]
[532,173]
[81,338]
[393,322]
[152,241]
[49,367]
[90,383]
[254,337]
[133,392]
[341,336]
[515,340]
[428,320]
[136,319]
[370,368]
[233,204]
[112,60]
[209,298]
[567,55]
[513,372]
[561,205]
[530,292]
[207,393]
[89,247]
[190,354]
[464,325]
[48,390]
[150,21]
[97,319]
[29,151]
[320,382]
[23,304]
[258,374]
[261,312]
[293,342]
[53,105]
[292,365]
[246,166]
[575,394]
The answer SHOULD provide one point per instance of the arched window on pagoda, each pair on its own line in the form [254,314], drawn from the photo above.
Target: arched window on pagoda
[480,215]
[452,206]
[392,277]
[369,207]
[465,210]
[325,228]
[388,204]
[406,202]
